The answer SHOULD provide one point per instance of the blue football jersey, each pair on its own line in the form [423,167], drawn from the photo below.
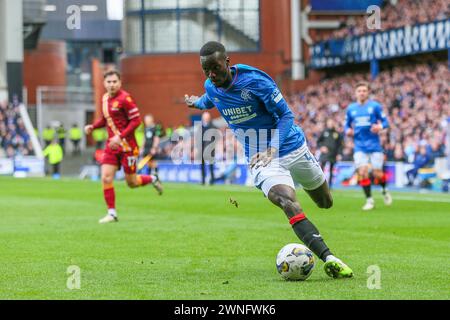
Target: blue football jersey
[361,118]
[253,106]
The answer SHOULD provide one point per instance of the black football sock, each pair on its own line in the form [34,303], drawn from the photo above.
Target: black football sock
[383,187]
[367,191]
[383,183]
[308,233]
[372,178]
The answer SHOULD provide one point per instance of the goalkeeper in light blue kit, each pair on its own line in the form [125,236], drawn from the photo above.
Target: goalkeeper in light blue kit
[364,121]
[254,108]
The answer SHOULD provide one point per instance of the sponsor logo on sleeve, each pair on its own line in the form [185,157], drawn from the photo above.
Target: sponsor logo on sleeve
[276,95]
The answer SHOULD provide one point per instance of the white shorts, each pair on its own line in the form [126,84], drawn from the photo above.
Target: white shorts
[375,159]
[297,167]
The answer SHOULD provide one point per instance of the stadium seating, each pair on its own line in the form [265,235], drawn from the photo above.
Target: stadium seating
[415,97]
[404,12]
[14,139]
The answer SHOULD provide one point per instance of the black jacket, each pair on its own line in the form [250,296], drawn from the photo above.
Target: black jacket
[331,139]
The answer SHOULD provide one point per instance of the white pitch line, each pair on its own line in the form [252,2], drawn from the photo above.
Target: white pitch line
[420,198]
[347,193]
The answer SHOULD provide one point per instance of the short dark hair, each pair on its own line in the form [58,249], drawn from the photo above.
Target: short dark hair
[212,47]
[112,73]
[362,84]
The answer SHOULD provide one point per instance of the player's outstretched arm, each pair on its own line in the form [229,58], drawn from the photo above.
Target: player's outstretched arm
[191,100]
[196,102]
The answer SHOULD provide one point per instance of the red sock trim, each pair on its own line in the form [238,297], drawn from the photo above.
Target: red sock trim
[297,218]
[144,180]
[365,182]
[110,198]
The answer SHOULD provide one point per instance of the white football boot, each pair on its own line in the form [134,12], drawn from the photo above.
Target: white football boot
[370,204]
[157,185]
[387,199]
[108,218]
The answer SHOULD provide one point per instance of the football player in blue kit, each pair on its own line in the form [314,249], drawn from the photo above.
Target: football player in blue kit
[254,108]
[364,121]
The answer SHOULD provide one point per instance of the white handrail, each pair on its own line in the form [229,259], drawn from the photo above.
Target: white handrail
[30,129]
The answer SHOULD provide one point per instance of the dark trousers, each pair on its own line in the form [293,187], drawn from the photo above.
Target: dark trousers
[99,145]
[412,174]
[62,143]
[55,167]
[211,170]
[76,146]
[332,163]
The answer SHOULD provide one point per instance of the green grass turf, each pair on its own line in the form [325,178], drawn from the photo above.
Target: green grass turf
[191,243]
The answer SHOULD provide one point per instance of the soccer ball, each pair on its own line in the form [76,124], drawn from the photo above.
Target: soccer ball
[295,262]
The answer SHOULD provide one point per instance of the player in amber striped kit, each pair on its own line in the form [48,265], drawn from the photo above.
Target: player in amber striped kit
[121,117]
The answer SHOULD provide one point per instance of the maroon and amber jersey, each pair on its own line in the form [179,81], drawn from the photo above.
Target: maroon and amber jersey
[121,117]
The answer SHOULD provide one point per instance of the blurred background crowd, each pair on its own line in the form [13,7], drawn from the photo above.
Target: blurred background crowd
[395,14]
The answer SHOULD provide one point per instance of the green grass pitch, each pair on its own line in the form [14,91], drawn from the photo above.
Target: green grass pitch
[192,243]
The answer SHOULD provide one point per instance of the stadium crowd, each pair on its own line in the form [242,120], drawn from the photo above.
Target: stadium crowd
[416,99]
[14,139]
[396,14]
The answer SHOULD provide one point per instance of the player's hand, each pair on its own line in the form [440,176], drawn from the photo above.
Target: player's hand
[190,100]
[262,158]
[115,142]
[153,151]
[349,132]
[376,128]
[324,149]
[88,129]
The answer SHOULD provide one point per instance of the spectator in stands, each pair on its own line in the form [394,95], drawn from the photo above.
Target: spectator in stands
[436,150]
[10,152]
[14,138]
[398,153]
[400,14]
[421,160]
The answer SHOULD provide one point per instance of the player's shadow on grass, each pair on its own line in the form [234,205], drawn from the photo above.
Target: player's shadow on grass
[305,281]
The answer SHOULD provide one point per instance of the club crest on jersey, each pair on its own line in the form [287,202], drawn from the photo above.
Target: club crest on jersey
[370,110]
[115,105]
[246,94]
[216,100]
